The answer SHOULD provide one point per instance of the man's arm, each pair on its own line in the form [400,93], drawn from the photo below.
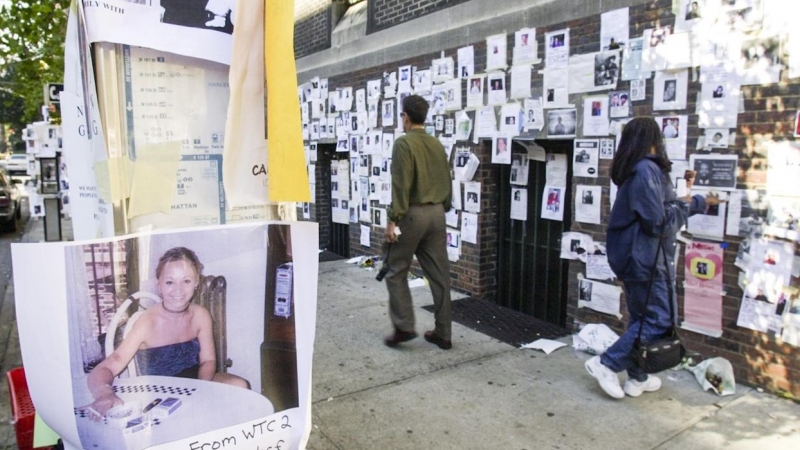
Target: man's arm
[402,176]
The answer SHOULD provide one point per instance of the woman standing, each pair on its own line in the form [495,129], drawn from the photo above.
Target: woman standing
[645,214]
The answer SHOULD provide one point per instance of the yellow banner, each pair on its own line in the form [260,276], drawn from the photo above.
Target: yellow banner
[288,177]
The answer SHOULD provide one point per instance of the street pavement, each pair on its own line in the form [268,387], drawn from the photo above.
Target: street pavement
[483,393]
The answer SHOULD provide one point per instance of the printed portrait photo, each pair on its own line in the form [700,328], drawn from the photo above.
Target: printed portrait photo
[670,91]
[606,69]
[561,122]
[174,322]
[585,291]
[554,201]
[557,40]
[670,127]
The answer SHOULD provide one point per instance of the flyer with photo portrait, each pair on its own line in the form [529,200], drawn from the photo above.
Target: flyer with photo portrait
[466,62]
[585,158]
[595,116]
[497,88]
[475,92]
[670,90]
[526,48]
[519,203]
[496,53]
[562,123]
[557,49]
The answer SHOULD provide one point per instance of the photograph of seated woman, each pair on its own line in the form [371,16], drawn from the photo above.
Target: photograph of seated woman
[173,338]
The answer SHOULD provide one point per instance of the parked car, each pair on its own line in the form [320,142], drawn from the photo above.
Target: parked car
[16,163]
[9,203]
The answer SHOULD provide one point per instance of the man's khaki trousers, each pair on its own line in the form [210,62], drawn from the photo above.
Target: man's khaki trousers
[423,233]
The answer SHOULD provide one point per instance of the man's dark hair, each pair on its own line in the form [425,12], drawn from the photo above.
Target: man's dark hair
[416,108]
[638,136]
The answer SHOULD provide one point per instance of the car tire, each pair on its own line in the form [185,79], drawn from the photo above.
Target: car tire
[10,225]
[18,214]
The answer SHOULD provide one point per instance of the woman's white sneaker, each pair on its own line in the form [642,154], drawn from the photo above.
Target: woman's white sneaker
[608,378]
[636,388]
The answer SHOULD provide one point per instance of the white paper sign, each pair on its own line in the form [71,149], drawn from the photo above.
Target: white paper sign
[475,92]
[595,116]
[497,88]
[242,254]
[585,158]
[526,47]
[521,81]
[587,204]
[614,29]
[557,49]
[593,72]
[469,227]
[496,54]
[553,202]
[472,196]
[600,297]
[519,204]
[670,90]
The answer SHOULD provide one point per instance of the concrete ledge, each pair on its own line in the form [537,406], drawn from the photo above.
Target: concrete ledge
[450,28]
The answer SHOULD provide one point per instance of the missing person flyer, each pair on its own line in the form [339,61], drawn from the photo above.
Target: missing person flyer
[183,339]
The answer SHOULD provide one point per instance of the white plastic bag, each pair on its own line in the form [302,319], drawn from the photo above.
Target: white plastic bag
[716,374]
[594,338]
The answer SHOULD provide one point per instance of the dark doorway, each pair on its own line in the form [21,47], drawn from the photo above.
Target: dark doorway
[338,236]
[531,276]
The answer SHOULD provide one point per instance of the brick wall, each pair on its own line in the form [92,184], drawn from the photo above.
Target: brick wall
[757,358]
[474,272]
[312,26]
[383,14]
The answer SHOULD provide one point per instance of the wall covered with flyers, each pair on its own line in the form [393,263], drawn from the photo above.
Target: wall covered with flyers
[720,77]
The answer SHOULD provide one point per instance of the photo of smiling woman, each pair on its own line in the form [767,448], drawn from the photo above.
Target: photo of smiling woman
[173,338]
[178,333]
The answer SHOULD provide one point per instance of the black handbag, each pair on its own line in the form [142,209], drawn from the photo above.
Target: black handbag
[666,352]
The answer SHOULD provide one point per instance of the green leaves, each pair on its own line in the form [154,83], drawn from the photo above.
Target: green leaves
[31,54]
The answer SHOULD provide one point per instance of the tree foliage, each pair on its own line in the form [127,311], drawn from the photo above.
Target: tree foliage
[32,36]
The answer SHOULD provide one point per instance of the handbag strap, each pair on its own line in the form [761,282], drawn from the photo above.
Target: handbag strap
[661,250]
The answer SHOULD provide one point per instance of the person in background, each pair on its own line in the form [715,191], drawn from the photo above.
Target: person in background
[646,211]
[421,193]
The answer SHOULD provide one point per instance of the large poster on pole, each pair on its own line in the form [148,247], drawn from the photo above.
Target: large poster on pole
[174,339]
[197,28]
[84,141]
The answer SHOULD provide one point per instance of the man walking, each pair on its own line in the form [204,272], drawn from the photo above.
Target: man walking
[421,193]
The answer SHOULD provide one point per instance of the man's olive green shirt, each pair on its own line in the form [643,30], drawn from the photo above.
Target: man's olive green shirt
[420,173]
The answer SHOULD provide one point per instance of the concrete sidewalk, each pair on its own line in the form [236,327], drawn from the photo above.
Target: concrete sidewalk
[487,394]
[483,393]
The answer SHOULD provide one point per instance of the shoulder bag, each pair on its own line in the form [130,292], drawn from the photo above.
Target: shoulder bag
[666,352]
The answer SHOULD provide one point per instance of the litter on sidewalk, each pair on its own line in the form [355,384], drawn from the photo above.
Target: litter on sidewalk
[716,374]
[546,345]
[594,339]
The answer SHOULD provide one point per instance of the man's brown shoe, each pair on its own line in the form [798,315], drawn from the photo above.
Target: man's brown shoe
[398,337]
[444,344]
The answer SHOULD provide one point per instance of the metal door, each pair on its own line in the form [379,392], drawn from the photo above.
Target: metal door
[531,276]
[338,233]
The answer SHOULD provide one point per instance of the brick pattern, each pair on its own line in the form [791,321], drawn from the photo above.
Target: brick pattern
[385,14]
[312,27]
[757,358]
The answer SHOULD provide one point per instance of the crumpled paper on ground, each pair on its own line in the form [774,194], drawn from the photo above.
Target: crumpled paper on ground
[546,345]
[716,374]
[594,338]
